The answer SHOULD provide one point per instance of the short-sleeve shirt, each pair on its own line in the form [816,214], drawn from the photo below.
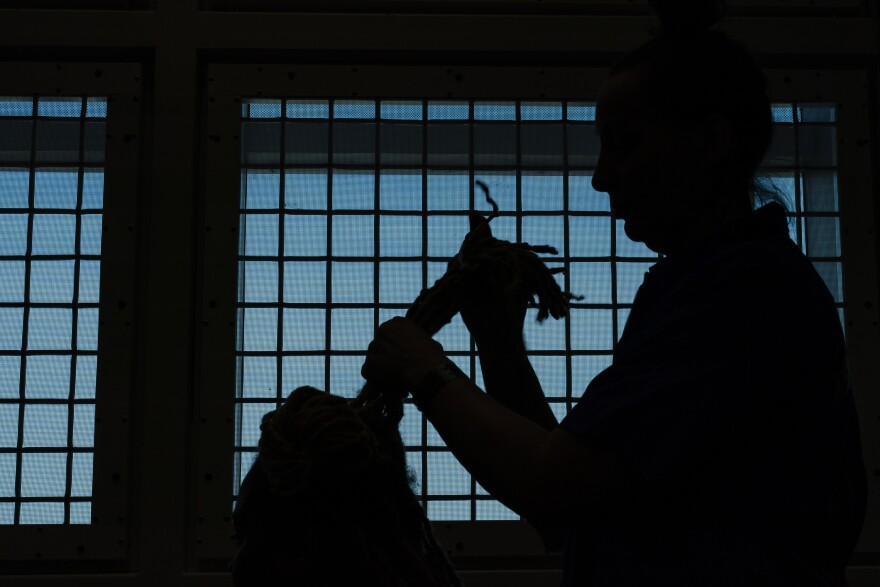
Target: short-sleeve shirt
[728,396]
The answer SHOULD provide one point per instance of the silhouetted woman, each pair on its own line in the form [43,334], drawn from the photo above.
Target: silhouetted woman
[721,447]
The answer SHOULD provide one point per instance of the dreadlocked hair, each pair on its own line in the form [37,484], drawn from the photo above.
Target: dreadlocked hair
[331,480]
[334,486]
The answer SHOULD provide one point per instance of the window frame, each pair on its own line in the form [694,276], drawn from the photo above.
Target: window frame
[471,542]
[106,538]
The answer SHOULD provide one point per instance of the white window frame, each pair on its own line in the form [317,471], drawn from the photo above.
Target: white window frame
[481,544]
[106,538]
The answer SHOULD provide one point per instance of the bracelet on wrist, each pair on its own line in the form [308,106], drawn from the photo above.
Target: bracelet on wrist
[424,392]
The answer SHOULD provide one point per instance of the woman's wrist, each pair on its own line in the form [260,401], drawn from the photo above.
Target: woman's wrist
[430,384]
[507,347]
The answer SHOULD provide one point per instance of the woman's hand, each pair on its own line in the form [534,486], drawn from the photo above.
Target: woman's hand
[401,354]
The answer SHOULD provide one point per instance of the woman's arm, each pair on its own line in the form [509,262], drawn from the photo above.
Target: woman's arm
[548,476]
[510,379]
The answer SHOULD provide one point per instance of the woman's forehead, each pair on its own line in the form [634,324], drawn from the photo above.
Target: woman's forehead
[618,101]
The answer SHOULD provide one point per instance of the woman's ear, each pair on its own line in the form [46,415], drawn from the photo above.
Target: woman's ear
[715,141]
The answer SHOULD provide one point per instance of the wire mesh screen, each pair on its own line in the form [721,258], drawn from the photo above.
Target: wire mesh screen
[51,201]
[350,207]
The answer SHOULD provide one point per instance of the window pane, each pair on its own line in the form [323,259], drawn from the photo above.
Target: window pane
[448,190]
[449,110]
[401,236]
[351,329]
[304,236]
[353,190]
[308,109]
[259,281]
[13,186]
[352,282]
[401,190]
[446,476]
[81,481]
[52,281]
[8,425]
[302,371]
[352,236]
[260,188]
[305,189]
[542,191]
[591,280]
[86,367]
[10,374]
[589,236]
[87,329]
[43,474]
[50,329]
[261,234]
[303,330]
[259,376]
[591,330]
[12,281]
[89,281]
[48,376]
[84,425]
[45,426]
[305,282]
[258,328]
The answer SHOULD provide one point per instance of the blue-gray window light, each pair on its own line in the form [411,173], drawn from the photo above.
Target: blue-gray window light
[51,203]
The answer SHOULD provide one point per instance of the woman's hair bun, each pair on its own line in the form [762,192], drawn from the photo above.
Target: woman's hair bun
[686,17]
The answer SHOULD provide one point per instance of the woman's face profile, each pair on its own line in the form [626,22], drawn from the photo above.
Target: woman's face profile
[648,167]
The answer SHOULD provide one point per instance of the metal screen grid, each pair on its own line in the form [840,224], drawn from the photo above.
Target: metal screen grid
[51,201]
[350,207]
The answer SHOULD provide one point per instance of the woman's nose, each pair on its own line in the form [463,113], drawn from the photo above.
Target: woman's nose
[601,176]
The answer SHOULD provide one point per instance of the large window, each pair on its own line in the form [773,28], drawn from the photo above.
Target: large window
[51,204]
[350,207]
[68,195]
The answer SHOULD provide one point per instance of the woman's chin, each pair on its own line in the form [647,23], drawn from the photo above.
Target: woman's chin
[638,233]
[633,230]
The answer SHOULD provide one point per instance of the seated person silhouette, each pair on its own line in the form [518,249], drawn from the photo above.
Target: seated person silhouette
[721,447]
[328,502]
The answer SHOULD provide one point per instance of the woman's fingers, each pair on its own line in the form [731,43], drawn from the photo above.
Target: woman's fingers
[400,354]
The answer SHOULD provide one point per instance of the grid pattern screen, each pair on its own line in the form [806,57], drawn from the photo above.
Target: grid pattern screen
[350,207]
[51,200]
